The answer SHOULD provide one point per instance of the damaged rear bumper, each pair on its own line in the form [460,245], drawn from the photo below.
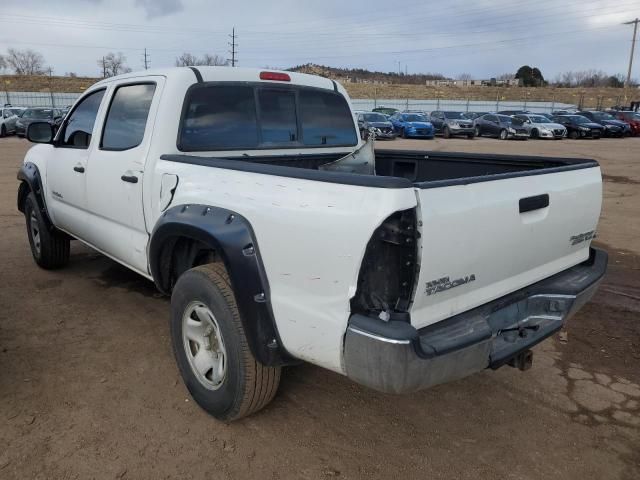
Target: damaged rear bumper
[394,357]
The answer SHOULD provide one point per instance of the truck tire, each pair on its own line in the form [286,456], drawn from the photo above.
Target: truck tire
[50,249]
[211,347]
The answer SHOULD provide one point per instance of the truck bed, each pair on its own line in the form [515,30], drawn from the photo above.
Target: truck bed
[427,169]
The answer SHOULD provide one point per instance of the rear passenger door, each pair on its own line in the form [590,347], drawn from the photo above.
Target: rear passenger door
[116,170]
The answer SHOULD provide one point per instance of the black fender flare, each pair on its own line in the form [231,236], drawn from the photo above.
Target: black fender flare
[233,238]
[30,180]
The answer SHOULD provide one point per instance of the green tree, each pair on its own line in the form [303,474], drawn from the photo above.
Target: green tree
[530,76]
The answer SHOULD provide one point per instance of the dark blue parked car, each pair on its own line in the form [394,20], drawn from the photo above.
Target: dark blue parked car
[410,125]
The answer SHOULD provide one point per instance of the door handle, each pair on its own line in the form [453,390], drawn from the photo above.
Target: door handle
[129,178]
[537,202]
[78,168]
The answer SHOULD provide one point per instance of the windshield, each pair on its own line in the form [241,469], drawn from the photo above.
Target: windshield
[374,117]
[414,118]
[538,119]
[455,115]
[602,116]
[45,113]
[579,119]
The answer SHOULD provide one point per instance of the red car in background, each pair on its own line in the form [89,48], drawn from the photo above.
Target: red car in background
[632,118]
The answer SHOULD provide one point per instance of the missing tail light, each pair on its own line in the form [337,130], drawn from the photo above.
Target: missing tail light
[389,269]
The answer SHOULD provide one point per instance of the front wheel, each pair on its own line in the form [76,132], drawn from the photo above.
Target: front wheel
[470,136]
[49,247]
[211,347]
[504,134]
[446,133]
[535,133]
[573,135]
[403,133]
[477,131]
[3,131]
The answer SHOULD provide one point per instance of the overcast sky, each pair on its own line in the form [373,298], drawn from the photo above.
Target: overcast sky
[481,37]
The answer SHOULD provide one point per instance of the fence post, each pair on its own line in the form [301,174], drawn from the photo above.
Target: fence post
[497,101]
[407,103]
[553,103]
[438,103]
[467,104]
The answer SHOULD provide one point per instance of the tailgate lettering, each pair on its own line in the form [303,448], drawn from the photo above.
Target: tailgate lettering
[442,284]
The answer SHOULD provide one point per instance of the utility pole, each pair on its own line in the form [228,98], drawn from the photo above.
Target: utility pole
[234,47]
[146,59]
[104,68]
[633,46]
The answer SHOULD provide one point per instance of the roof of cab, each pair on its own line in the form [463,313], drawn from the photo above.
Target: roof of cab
[226,74]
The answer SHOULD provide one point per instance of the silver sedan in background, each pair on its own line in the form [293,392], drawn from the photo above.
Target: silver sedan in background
[540,126]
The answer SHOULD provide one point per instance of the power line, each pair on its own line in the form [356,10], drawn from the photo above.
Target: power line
[233,46]
[633,47]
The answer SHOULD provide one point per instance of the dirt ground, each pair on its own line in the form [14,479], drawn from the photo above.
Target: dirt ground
[89,388]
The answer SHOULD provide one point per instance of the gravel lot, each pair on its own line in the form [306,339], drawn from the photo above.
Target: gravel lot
[89,388]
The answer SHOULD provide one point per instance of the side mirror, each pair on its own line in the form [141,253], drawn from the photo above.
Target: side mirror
[40,132]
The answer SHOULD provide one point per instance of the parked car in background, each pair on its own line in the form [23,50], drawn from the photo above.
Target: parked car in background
[571,111]
[612,126]
[548,115]
[8,120]
[500,126]
[452,124]
[412,125]
[386,110]
[53,116]
[580,127]
[540,126]
[377,122]
[632,118]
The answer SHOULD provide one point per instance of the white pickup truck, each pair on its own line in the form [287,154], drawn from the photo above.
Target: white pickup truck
[282,237]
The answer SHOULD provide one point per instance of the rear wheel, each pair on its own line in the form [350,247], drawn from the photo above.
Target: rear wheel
[211,347]
[470,135]
[503,134]
[446,133]
[50,248]
[3,131]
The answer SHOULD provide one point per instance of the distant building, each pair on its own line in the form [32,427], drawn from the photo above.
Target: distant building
[492,82]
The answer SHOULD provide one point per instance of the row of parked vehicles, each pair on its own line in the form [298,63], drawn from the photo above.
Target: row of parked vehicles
[388,123]
[15,120]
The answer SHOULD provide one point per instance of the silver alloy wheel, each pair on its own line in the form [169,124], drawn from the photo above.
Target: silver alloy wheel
[35,232]
[204,345]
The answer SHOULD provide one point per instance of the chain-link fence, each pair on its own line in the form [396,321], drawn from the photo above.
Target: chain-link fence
[38,99]
[460,105]
[52,99]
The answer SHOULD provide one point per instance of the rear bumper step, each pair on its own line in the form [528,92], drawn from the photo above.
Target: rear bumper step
[394,357]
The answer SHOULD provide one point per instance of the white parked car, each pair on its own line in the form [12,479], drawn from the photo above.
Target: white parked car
[281,236]
[540,126]
[8,118]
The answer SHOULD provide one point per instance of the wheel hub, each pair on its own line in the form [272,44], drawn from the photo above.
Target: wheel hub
[204,346]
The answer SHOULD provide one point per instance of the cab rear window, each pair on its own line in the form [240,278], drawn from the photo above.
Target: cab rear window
[232,117]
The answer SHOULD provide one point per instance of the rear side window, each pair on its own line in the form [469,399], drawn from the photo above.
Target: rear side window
[127,117]
[233,117]
[325,119]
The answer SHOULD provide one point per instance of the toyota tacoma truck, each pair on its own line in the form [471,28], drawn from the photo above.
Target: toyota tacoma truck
[282,237]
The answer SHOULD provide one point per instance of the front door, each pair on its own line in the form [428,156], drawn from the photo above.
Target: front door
[67,166]
[116,170]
